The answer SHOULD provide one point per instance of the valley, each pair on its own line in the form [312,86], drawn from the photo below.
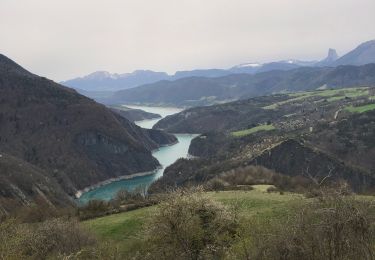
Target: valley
[166,156]
[69,140]
[187,130]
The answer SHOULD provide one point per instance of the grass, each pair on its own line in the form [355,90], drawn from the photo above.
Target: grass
[360,109]
[119,226]
[256,206]
[330,94]
[125,229]
[122,229]
[258,203]
[253,130]
[332,99]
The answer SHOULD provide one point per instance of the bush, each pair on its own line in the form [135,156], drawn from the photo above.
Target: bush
[272,189]
[341,188]
[248,175]
[188,225]
[216,184]
[95,208]
[125,197]
[331,227]
[48,239]
[40,211]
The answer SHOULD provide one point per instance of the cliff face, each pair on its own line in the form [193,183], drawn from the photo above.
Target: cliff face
[77,141]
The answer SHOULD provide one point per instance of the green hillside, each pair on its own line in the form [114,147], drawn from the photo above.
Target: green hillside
[125,229]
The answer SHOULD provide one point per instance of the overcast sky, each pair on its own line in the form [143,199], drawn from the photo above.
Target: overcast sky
[62,39]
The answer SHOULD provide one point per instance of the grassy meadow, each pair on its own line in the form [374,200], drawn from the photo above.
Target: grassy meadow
[253,130]
[126,229]
[330,95]
[360,109]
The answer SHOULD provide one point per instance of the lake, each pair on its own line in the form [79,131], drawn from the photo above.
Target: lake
[166,155]
[163,111]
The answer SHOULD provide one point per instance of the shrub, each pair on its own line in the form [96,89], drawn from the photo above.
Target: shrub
[188,225]
[272,189]
[332,227]
[40,211]
[95,208]
[125,197]
[248,175]
[105,251]
[48,239]
[341,188]
[216,184]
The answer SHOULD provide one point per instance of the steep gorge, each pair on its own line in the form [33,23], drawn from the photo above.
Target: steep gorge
[71,138]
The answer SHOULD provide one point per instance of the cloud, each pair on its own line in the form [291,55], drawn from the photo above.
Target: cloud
[64,39]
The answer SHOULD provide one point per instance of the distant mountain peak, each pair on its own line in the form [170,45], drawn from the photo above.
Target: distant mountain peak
[332,55]
[251,64]
[363,54]
[106,81]
[99,75]
[330,59]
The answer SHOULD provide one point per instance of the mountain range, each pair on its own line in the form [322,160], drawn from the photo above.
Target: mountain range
[198,91]
[95,83]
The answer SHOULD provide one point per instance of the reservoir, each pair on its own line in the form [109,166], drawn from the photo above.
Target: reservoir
[166,155]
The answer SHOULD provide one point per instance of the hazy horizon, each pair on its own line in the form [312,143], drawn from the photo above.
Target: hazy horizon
[64,40]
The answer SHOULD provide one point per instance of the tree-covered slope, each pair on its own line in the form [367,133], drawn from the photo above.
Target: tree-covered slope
[75,140]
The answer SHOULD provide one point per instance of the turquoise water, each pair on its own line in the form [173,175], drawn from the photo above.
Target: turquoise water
[165,155]
[163,111]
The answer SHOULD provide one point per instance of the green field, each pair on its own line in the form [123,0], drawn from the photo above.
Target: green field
[330,94]
[360,109]
[253,130]
[125,229]
[255,207]
[332,99]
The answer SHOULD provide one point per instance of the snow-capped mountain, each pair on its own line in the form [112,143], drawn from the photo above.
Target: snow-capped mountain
[106,81]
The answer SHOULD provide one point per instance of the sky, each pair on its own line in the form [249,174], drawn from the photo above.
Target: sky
[63,39]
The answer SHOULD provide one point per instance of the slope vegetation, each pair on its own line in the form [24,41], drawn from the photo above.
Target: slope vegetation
[309,134]
[71,138]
